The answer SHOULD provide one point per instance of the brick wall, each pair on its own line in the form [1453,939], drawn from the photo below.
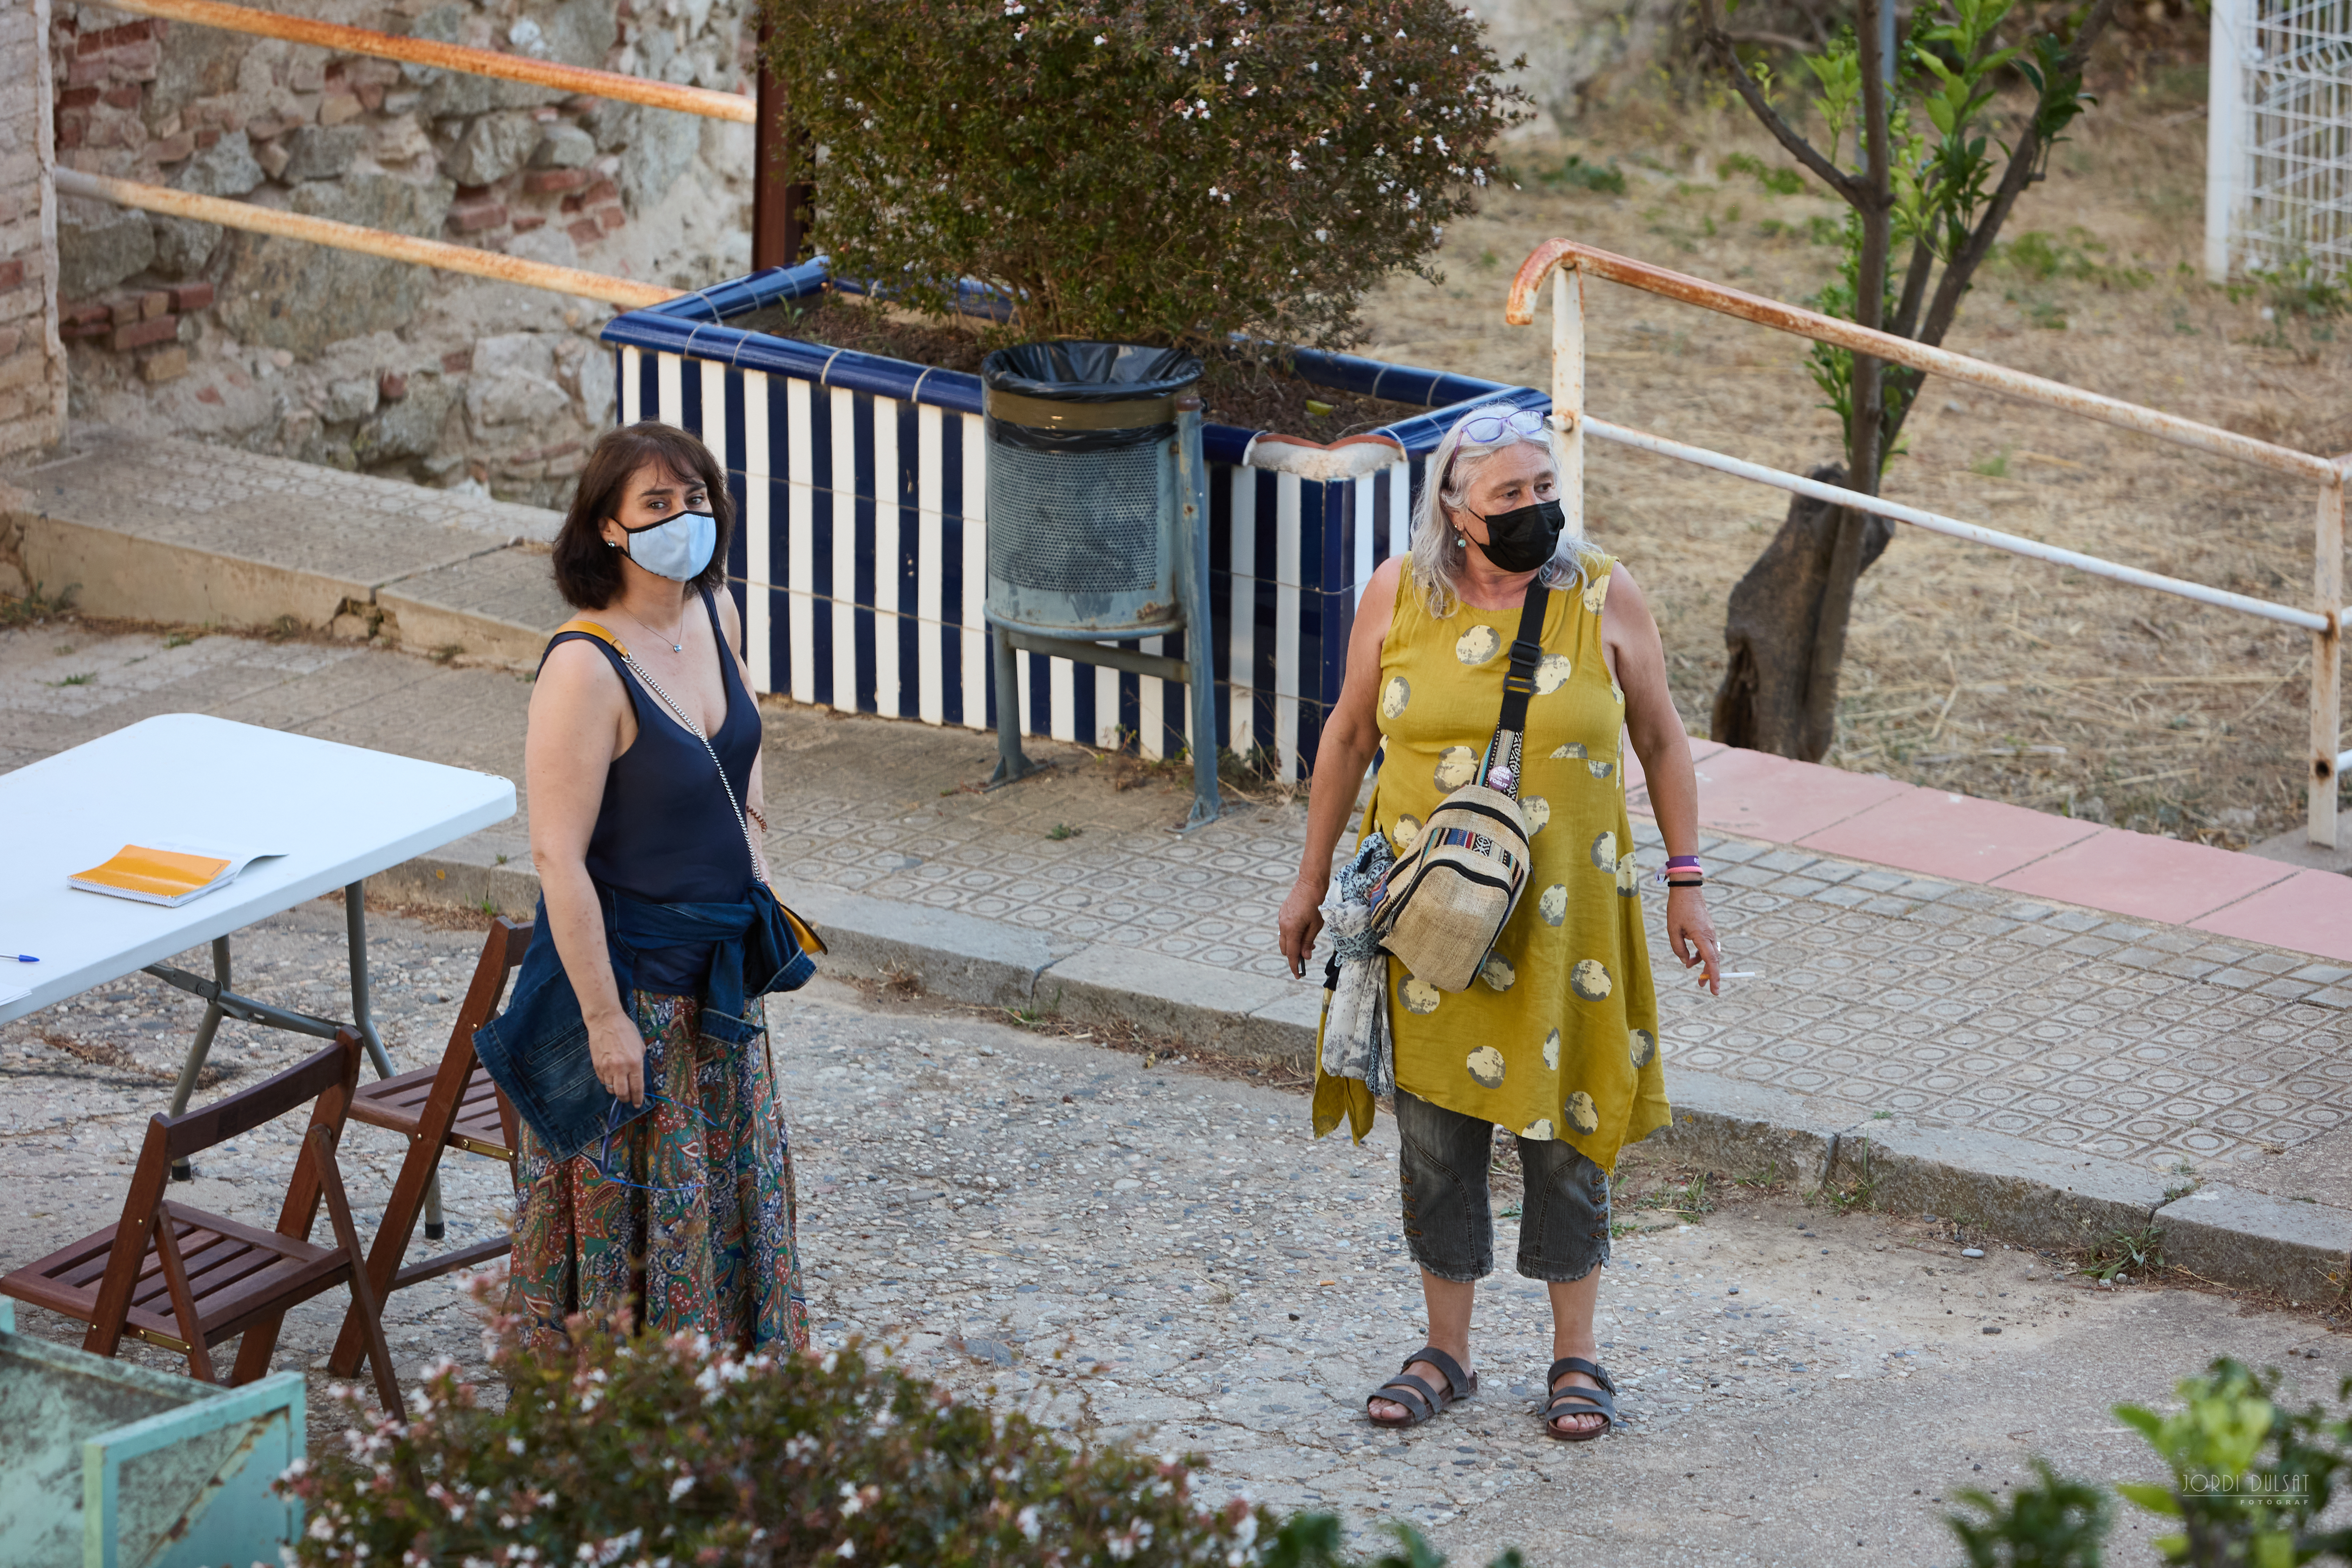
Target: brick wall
[32,360]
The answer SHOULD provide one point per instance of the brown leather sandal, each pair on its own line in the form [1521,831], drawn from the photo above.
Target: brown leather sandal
[1420,1400]
[1574,1401]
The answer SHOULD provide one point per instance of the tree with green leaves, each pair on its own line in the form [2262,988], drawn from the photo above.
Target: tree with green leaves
[1910,132]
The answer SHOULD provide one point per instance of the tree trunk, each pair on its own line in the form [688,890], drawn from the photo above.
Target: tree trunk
[1770,700]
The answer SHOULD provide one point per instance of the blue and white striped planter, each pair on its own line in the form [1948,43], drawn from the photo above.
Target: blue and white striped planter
[861,558]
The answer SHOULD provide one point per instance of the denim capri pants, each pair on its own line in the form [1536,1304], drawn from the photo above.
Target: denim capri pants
[1449,1223]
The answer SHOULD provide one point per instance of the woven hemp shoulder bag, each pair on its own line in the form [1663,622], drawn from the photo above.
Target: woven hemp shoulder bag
[1442,906]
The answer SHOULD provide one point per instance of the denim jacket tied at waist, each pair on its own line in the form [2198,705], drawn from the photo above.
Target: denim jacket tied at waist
[537,1050]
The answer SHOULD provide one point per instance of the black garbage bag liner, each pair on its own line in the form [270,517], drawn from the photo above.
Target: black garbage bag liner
[1070,371]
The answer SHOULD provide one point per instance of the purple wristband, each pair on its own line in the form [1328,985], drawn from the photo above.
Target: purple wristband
[1679,862]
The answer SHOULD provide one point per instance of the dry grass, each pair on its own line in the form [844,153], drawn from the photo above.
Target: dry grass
[1968,669]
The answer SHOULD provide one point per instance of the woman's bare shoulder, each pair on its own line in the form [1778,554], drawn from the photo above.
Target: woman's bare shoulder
[1624,591]
[575,670]
[1377,608]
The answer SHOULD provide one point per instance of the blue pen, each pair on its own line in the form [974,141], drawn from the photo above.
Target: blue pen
[19,957]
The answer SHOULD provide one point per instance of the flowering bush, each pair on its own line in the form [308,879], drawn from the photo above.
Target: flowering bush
[1151,171]
[666,1453]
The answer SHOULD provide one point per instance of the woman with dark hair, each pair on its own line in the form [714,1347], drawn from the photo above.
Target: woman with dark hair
[670,1192]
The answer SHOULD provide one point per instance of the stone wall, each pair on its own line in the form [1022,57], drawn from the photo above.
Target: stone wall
[32,362]
[1578,53]
[180,327]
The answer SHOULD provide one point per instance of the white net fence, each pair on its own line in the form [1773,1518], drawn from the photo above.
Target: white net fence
[2280,183]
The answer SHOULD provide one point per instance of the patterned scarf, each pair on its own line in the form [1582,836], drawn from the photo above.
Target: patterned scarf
[1356,1041]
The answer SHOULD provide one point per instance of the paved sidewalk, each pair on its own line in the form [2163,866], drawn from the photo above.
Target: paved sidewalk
[2054,1068]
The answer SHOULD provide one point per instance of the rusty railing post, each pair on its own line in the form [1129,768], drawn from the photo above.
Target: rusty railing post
[2327,661]
[1568,389]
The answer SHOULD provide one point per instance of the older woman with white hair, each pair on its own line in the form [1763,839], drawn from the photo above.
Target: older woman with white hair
[1555,1041]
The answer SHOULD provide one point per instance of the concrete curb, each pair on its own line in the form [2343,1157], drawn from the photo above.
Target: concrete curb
[2028,1193]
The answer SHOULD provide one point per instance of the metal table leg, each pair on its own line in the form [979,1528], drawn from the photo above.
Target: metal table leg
[201,1048]
[355,932]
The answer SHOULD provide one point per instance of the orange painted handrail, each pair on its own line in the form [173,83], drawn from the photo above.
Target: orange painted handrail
[1554,254]
[449,56]
[392,246]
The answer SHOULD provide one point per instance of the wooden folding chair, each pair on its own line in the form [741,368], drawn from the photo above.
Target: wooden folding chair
[453,1106]
[184,1280]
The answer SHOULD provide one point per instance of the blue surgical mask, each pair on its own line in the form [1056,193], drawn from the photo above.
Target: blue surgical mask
[678,549]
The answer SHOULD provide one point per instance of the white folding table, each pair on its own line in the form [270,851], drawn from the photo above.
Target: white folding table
[337,814]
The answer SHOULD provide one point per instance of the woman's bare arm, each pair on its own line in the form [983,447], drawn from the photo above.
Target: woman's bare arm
[578,712]
[1351,733]
[1659,739]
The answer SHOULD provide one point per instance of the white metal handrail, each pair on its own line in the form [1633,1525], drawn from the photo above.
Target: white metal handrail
[1936,522]
[1564,262]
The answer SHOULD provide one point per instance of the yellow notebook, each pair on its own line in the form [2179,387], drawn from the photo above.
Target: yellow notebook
[165,874]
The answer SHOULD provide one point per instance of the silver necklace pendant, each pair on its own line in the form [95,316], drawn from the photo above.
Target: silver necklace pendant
[674,647]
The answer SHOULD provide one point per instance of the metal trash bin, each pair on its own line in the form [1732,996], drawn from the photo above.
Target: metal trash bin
[1084,516]
[1098,524]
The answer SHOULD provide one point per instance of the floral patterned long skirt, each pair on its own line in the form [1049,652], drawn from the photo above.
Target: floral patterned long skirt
[686,1215]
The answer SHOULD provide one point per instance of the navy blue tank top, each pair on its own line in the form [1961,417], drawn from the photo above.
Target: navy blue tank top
[666,833]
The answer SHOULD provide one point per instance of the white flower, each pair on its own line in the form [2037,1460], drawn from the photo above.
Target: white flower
[1027,1520]
[680,1487]
[514,1444]
[1100,41]
[846,1549]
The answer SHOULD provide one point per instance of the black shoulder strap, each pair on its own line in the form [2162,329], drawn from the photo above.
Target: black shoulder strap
[1519,684]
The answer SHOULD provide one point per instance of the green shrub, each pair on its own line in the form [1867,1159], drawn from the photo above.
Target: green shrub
[2078,256]
[2250,1479]
[2056,1523]
[1158,171]
[636,1452]
[1776,182]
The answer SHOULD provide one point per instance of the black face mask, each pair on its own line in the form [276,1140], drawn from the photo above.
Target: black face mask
[1523,538]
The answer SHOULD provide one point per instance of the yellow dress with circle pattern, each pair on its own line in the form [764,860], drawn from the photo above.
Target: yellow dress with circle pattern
[1558,1036]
